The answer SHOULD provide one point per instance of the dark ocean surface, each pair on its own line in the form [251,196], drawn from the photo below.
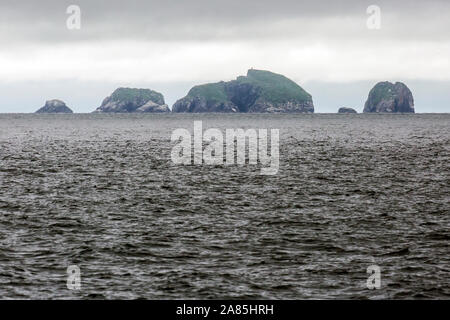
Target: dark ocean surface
[100,191]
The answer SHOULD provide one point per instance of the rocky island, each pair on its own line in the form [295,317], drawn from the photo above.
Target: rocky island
[128,100]
[260,91]
[346,110]
[390,98]
[54,106]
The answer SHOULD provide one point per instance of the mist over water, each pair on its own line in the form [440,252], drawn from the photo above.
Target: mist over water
[100,191]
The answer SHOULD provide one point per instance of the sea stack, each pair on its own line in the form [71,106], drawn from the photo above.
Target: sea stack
[130,100]
[54,106]
[346,110]
[260,91]
[390,98]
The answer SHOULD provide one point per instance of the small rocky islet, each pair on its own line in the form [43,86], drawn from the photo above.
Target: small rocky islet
[54,106]
[346,110]
[130,100]
[259,91]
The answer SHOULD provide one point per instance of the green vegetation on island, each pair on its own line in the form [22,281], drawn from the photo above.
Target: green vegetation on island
[130,100]
[259,91]
[211,92]
[275,88]
[387,97]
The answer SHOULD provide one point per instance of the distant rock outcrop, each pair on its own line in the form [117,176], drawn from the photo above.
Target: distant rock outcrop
[127,100]
[346,110]
[54,106]
[259,91]
[390,98]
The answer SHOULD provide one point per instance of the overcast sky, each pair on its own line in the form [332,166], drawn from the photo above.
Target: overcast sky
[169,46]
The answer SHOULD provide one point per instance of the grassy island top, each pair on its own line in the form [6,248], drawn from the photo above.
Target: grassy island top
[210,91]
[132,94]
[275,87]
[272,87]
[384,91]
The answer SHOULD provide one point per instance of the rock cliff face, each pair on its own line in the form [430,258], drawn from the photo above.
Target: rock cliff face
[259,91]
[346,110]
[127,100]
[390,98]
[54,106]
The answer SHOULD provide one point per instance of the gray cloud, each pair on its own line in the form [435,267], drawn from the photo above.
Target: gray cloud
[200,20]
